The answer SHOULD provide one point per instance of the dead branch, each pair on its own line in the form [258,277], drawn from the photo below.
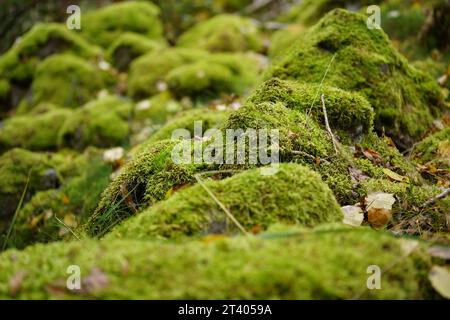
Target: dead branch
[327,124]
[440,196]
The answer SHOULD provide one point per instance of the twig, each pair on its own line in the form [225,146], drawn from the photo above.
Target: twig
[320,85]
[227,212]
[303,153]
[328,125]
[67,227]
[442,195]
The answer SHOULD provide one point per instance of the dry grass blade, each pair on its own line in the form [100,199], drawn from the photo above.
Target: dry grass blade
[327,124]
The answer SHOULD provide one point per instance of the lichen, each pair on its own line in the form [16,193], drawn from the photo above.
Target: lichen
[405,100]
[286,263]
[223,33]
[102,123]
[104,25]
[127,47]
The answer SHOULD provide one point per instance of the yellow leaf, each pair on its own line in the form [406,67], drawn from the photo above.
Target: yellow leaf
[395,176]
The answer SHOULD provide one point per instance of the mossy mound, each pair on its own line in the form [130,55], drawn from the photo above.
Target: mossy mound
[405,100]
[346,111]
[435,148]
[287,263]
[293,195]
[191,72]
[144,180]
[43,40]
[102,123]
[66,80]
[55,214]
[34,131]
[18,166]
[104,25]
[283,39]
[223,33]
[127,47]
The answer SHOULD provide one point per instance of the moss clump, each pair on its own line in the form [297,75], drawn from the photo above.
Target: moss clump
[435,149]
[102,123]
[16,166]
[43,40]
[66,80]
[295,194]
[287,264]
[38,221]
[191,72]
[346,111]
[405,100]
[223,33]
[104,25]
[127,47]
[283,39]
[33,132]
[144,180]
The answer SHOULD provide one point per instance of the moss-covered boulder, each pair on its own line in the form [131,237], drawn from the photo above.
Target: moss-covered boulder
[23,172]
[34,131]
[293,195]
[360,59]
[223,33]
[104,25]
[286,263]
[66,80]
[102,123]
[283,39]
[147,178]
[127,47]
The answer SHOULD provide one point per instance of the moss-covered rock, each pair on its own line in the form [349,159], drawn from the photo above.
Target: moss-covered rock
[287,263]
[34,131]
[283,39]
[17,167]
[405,99]
[127,47]
[102,123]
[434,148]
[294,194]
[104,25]
[66,80]
[223,33]
[144,180]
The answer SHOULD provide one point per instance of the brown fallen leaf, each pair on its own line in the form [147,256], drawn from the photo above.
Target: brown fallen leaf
[379,208]
[440,252]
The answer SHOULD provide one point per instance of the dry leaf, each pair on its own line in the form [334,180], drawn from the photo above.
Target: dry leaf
[379,208]
[353,215]
[356,174]
[408,246]
[395,176]
[440,252]
[113,155]
[440,280]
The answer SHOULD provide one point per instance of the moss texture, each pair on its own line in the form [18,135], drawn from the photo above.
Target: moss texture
[435,148]
[102,123]
[405,100]
[223,33]
[284,264]
[104,25]
[66,80]
[255,201]
[127,47]
[283,39]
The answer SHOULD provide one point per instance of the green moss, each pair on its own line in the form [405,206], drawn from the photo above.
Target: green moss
[102,123]
[66,80]
[43,40]
[287,264]
[405,100]
[346,111]
[283,39]
[104,25]
[71,204]
[295,194]
[157,109]
[127,47]
[435,148]
[223,33]
[144,180]
[33,132]
[16,166]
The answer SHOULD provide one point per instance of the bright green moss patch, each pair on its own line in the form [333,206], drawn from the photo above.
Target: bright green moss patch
[434,148]
[289,264]
[66,80]
[283,39]
[43,40]
[405,100]
[104,25]
[127,47]
[16,167]
[223,33]
[294,194]
[144,180]
[102,123]
[33,132]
